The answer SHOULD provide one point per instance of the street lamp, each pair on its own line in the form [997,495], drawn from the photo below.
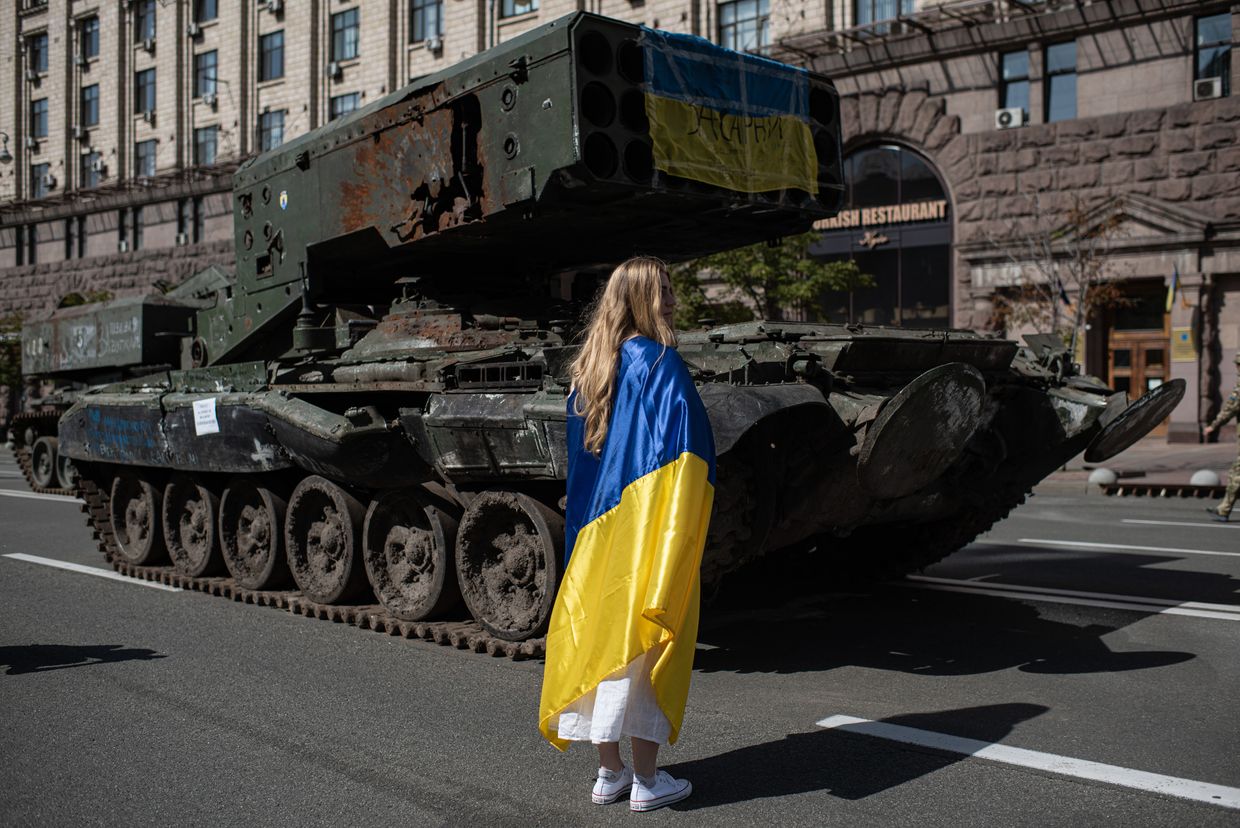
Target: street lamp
[5,155]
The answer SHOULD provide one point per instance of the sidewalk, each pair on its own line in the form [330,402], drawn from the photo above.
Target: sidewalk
[1154,460]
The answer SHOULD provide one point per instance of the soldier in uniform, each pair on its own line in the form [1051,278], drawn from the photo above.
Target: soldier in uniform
[1230,409]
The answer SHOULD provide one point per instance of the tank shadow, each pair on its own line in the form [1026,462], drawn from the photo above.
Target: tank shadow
[913,631]
[40,658]
[845,764]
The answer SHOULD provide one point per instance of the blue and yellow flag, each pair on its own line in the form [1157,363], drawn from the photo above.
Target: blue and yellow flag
[637,517]
[733,120]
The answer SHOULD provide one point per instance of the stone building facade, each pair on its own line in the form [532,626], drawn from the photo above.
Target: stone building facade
[135,187]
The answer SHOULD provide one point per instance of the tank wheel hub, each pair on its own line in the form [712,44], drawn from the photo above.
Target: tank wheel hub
[135,507]
[189,522]
[409,538]
[251,520]
[322,533]
[508,554]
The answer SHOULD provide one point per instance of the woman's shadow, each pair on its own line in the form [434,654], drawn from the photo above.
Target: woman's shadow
[846,764]
[40,658]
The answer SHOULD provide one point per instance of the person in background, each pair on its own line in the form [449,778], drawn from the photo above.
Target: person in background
[1231,408]
[641,471]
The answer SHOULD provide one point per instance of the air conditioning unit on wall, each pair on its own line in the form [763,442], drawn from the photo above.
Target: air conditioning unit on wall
[148,115]
[1012,116]
[434,44]
[275,6]
[79,133]
[333,70]
[1205,89]
[209,99]
[193,30]
[49,181]
[148,44]
[182,239]
[98,166]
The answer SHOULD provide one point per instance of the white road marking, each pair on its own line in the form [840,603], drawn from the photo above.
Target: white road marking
[89,570]
[1175,786]
[11,474]
[1213,524]
[1158,606]
[1122,547]
[39,496]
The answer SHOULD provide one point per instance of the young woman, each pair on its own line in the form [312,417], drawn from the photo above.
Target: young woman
[641,470]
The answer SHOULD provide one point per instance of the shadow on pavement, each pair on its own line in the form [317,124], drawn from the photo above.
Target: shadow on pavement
[40,658]
[843,764]
[917,632]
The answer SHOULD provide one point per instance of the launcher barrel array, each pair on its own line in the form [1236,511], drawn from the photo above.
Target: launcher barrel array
[576,144]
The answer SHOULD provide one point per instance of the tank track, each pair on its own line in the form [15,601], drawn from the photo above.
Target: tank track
[463,635]
[22,453]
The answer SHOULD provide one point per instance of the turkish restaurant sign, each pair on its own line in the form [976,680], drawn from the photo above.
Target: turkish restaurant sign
[890,214]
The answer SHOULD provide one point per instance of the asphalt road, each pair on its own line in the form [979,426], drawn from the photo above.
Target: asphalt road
[996,693]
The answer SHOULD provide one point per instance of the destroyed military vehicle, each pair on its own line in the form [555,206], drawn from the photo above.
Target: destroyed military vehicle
[371,421]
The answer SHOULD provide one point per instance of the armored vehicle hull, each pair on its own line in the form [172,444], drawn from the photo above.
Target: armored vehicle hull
[92,344]
[370,424]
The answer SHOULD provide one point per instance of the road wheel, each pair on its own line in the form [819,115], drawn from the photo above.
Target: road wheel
[508,557]
[251,527]
[43,462]
[322,533]
[189,520]
[409,546]
[66,472]
[135,506]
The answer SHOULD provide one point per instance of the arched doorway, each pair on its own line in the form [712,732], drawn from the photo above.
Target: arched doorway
[896,225]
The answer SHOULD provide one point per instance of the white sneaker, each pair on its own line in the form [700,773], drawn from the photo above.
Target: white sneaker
[611,785]
[664,791]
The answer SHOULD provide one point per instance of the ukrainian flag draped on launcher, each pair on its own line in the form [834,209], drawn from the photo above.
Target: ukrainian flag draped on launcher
[733,120]
[637,526]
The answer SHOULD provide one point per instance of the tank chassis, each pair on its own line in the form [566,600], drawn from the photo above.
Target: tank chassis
[374,409]
[78,346]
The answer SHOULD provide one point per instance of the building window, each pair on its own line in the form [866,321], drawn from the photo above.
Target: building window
[893,191]
[144,159]
[344,34]
[144,20]
[90,105]
[122,229]
[205,10]
[206,143]
[1213,44]
[511,8]
[38,180]
[205,73]
[144,91]
[190,219]
[342,105]
[139,225]
[75,237]
[32,244]
[425,19]
[90,169]
[876,11]
[38,118]
[200,220]
[745,25]
[1061,82]
[36,51]
[1014,86]
[271,60]
[270,130]
[88,38]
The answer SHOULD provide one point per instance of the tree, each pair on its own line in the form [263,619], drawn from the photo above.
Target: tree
[764,280]
[1063,274]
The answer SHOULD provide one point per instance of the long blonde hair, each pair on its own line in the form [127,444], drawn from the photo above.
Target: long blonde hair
[630,304]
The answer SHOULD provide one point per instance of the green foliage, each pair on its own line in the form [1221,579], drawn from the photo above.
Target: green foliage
[11,350]
[72,300]
[764,280]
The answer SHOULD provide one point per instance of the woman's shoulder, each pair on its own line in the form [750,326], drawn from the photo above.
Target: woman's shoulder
[647,353]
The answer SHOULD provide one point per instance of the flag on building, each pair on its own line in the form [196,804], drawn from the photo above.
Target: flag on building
[1174,287]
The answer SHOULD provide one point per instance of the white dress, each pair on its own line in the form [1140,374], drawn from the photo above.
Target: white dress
[622,705]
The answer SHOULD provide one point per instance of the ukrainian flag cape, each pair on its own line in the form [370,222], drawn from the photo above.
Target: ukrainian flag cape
[635,530]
